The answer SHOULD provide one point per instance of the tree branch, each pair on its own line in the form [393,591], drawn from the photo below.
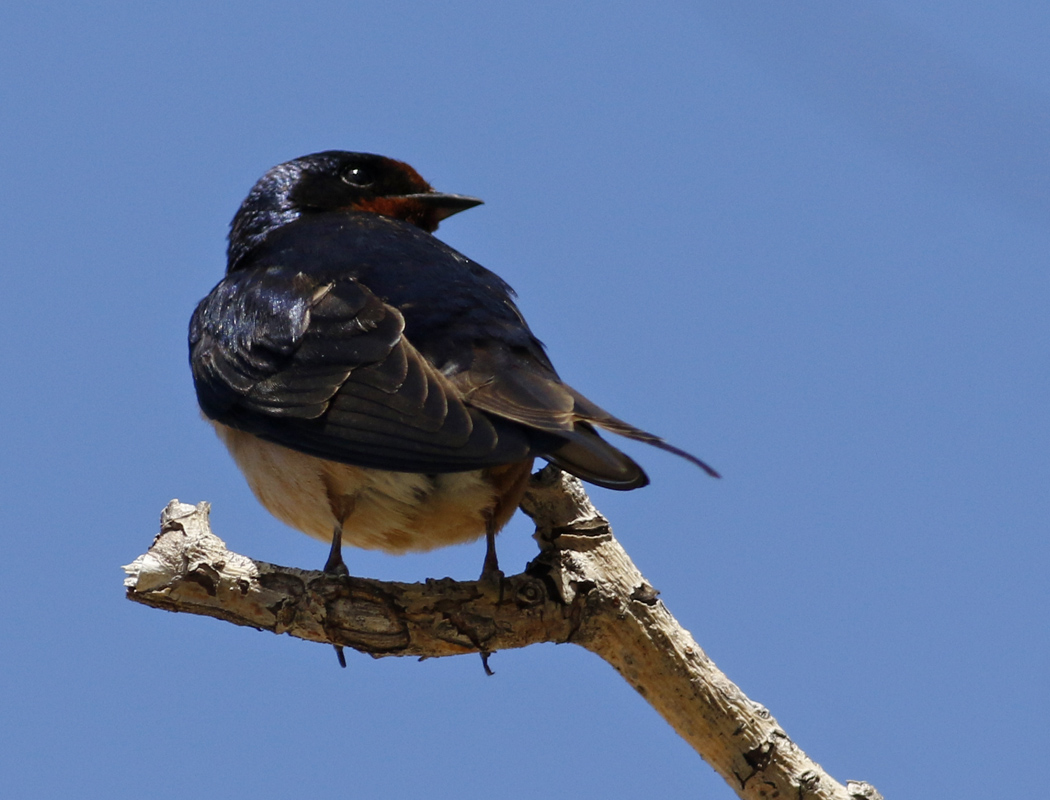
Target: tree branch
[582,588]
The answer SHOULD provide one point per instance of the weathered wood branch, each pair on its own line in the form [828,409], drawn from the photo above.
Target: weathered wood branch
[582,588]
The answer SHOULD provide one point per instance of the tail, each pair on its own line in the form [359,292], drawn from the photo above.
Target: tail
[591,458]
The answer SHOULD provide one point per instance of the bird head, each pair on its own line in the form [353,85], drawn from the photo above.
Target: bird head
[338,181]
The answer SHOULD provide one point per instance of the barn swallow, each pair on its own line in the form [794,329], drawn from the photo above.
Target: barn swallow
[375,386]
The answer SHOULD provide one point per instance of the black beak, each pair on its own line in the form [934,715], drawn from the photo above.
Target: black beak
[445,204]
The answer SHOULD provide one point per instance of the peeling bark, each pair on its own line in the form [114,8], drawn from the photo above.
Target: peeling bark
[582,588]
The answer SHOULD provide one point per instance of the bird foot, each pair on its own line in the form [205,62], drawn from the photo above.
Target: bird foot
[336,566]
[493,576]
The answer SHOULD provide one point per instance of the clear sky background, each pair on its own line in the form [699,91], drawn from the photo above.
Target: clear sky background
[806,241]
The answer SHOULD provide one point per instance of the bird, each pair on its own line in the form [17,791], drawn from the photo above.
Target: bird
[375,386]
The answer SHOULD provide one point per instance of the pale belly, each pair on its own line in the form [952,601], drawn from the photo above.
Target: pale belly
[379,510]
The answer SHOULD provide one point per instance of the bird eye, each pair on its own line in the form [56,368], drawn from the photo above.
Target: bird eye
[358,176]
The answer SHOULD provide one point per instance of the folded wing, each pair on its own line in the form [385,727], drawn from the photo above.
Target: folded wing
[325,368]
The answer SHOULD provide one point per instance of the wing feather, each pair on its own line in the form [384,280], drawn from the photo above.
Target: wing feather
[326,369]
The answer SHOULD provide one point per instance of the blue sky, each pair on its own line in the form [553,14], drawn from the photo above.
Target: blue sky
[807,242]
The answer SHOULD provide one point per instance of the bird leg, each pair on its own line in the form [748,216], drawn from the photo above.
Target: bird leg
[490,568]
[490,571]
[336,566]
[342,507]
[508,483]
